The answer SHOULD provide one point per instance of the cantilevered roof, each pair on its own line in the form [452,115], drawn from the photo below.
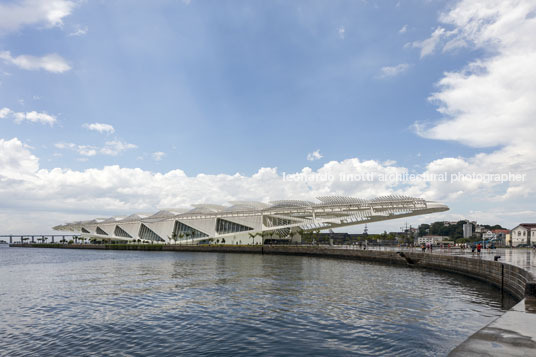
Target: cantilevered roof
[383,205]
[335,200]
[247,205]
[291,203]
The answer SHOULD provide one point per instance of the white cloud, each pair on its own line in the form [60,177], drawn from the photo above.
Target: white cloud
[404,29]
[490,103]
[116,147]
[33,116]
[16,161]
[84,150]
[100,127]
[49,13]
[79,31]
[341,31]
[391,71]
[315,155]
[428,46]
[52,62]
[115,190]
[87,150]
[159,155]
[111,148]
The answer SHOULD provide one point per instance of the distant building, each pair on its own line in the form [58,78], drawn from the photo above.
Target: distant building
[489,235]
[467,230]
[502,235]
[525,233]
[479,230]
[432,239]
[508,239]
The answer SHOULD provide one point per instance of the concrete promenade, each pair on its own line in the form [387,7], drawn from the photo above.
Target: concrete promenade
[513,334]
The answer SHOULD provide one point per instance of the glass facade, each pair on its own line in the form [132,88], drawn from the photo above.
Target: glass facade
[101,232]
[276,221]
[187,231]
[147,234]
[224,227]
[84,230]
[119,232]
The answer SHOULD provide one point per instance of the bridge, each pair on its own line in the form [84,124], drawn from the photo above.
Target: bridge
[32,238]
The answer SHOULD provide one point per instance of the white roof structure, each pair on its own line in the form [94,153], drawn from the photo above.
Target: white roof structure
[243,219]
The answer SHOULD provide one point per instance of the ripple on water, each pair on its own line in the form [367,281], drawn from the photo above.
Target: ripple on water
[69,302]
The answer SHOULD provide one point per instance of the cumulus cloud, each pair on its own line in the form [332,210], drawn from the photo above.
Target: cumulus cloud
[100,127]
[392,71]
[114,190]
[33,116]
[159,155]
[404,29]
[52,62]
[16,161]
[315,155]
[49,13]
[490,102]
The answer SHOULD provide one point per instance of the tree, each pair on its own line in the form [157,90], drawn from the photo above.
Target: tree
[259,234]
[187,234]
[316,233]
[252,236]
[174,236]
[424,229]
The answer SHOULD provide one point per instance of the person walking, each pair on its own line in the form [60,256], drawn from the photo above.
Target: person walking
[478,248]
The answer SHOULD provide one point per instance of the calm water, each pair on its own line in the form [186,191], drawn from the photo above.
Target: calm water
[74,302]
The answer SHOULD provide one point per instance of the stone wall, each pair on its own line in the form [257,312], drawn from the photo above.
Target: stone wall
[515,280]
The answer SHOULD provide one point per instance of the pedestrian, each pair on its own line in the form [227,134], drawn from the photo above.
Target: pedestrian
[478,248]
[423,248]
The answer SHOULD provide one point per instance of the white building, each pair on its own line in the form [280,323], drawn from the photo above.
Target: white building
[489,235]
[525,233]
[432,239]
[247,222]
[467,230]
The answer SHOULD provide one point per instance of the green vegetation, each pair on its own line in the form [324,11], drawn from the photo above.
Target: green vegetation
[453,231]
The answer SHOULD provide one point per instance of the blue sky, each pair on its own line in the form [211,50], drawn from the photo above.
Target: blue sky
[215,88]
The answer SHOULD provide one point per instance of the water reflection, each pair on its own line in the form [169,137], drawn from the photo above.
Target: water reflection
[68,302]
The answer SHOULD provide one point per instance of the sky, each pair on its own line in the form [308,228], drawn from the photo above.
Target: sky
[114,107]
